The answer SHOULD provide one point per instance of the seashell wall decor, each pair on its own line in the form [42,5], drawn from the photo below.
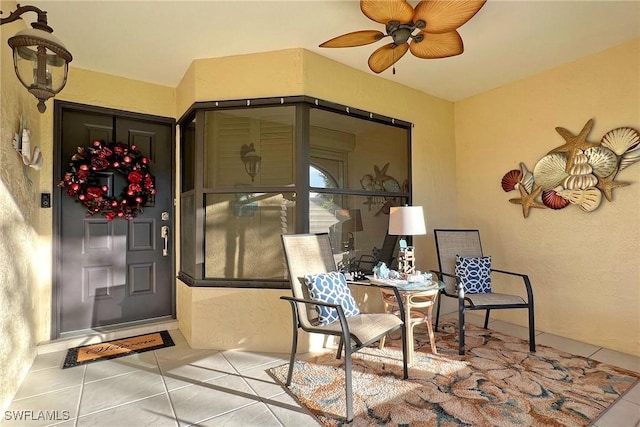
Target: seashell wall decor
[579,172]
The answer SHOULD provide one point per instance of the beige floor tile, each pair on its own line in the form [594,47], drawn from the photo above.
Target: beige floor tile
[200,402]
[48,380]
[48,360]
[152,411]
[211,388]
[633,395]
[115,391]
[203,365]
[622,360]
[622,414]
[43,409]
[243,360]
[256,415]
[565,344]
[261,382]
[290,413]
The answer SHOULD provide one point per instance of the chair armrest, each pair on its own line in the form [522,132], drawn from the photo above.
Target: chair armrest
[312,302]
[344,325]
[459,288]
[525,279]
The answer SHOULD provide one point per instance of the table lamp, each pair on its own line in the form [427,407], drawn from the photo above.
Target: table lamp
[406,221]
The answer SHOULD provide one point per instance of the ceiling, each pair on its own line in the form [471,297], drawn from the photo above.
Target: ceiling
[155,41]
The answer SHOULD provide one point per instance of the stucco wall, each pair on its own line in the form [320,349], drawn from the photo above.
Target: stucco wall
[20,245]
[26,229]
[300,72]
[585,267]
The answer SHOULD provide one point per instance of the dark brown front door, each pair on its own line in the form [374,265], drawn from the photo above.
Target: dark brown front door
[121,271]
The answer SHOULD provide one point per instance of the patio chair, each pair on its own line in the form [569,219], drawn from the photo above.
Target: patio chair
[310,260]
[474,270]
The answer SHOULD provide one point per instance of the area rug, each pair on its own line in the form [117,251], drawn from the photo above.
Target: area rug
[117,348]
[498,382]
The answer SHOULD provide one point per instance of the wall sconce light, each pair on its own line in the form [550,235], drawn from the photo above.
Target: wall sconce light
[251,160]
[40,60]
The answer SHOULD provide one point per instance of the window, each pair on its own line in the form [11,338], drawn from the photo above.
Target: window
[273,167]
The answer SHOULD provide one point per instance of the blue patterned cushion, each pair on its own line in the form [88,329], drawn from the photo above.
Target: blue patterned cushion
[332,288]
[475,273]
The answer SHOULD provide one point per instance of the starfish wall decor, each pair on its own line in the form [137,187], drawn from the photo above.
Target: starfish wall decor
[578,172]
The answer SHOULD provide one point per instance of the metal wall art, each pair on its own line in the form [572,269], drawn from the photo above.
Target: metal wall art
[381,182]
[578,172]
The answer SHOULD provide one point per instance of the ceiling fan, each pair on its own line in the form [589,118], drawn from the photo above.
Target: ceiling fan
[435,21]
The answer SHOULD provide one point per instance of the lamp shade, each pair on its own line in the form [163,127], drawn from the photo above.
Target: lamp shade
[406,221]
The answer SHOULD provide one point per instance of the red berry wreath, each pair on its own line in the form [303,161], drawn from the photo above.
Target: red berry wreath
[81,182]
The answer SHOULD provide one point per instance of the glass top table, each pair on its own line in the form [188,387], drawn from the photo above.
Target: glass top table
[418,299]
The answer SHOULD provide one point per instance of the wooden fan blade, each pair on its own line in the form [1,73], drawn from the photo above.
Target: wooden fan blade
[383,11]
[435,46]
[386,56]
[443,16]
[357,38]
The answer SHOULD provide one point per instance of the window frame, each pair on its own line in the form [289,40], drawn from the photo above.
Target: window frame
[301,186]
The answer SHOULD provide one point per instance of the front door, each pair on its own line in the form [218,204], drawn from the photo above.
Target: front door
[121,271]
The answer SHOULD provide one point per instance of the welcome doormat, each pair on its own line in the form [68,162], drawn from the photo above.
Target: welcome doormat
[117,348]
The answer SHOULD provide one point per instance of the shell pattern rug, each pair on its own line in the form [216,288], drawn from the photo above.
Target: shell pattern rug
[498,382]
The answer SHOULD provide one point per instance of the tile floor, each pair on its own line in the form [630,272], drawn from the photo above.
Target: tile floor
[180,386]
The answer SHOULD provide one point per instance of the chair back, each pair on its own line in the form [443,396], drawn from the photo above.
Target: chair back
[450,243]
[307,254]
[388,250]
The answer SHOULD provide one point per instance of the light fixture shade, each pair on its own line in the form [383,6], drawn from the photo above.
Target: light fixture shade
[251,160]
[406,221]
[41,63]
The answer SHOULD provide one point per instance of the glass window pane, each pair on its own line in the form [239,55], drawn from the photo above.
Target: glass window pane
[357,225]
[359,154]
[251,146]
[242,236]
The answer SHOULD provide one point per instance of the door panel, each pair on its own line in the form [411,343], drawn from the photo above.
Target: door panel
[114,272]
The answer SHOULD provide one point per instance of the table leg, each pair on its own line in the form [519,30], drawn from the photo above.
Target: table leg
[432,338]
[409,328]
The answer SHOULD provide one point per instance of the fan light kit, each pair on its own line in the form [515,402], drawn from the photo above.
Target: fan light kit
[436,23]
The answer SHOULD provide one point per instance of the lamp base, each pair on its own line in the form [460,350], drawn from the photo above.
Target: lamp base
[406,260]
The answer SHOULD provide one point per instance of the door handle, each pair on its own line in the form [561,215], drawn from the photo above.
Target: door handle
[164,233]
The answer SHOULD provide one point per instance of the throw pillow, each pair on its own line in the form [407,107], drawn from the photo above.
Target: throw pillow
[332,288]
[475,273]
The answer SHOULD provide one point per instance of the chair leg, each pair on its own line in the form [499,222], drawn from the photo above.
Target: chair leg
[292,358]
[438,310]
[532,330]
[486,319]
[340,345]
[461,320]
[405,361]
[348,383]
